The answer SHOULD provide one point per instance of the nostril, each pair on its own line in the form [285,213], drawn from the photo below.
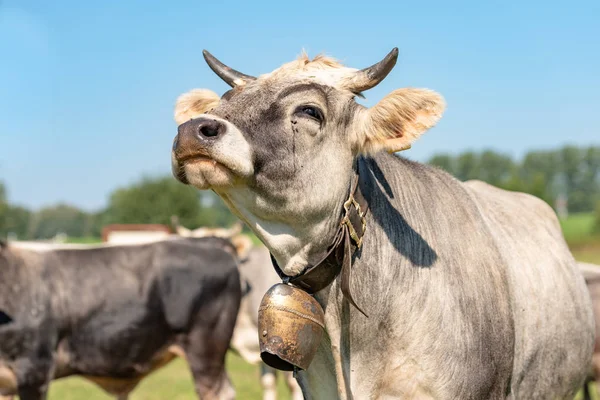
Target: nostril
[209,128]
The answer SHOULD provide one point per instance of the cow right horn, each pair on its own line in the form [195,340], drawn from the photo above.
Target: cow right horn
[370,77]
[232,77]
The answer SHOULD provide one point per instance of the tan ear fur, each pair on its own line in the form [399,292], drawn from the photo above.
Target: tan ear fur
[399,119]
[194,102]
[242,244]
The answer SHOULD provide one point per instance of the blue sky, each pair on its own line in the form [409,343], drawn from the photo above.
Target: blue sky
[87,88]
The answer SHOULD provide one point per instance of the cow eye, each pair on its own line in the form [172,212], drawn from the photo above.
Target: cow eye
[311,111]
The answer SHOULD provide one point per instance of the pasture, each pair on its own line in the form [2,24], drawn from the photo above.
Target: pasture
[578,231]
[174,381]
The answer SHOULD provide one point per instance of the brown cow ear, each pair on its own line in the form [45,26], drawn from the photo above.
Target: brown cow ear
[193,103]
[398,120]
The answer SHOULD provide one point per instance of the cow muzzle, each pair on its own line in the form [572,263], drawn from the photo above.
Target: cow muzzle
[196,137]
[290,326]
[210,152]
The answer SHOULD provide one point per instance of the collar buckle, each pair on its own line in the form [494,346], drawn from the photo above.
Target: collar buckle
[347,221]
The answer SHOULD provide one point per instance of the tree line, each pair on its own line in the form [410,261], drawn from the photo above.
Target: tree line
[571,173]
[151,200]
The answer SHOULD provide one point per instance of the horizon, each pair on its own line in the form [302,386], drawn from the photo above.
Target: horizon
[87,92]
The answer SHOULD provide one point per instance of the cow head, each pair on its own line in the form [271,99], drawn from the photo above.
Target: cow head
[279,148]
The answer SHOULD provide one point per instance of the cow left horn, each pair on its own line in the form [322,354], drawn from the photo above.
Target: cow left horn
[370,77]
[232,77]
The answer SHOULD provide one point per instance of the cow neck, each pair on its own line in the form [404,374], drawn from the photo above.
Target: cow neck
[337,258]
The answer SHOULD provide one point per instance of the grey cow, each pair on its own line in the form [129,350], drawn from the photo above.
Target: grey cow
[115,313]
[470,291]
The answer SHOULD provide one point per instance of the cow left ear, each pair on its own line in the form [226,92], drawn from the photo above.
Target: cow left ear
[193,103]
[398,120]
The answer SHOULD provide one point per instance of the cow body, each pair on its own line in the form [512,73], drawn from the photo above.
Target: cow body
[479,298]
[113,314]
[470,291]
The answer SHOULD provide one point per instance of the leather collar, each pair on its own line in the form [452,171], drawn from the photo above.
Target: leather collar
[338,256]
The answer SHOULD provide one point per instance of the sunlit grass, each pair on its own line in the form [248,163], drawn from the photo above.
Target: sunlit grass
[173,382]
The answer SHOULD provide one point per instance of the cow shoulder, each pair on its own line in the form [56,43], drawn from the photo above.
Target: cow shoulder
[195,274]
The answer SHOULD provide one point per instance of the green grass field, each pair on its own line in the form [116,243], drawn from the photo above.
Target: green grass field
[173,382]
[579,228]
[584,243]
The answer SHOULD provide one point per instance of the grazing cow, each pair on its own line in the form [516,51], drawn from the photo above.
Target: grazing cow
[115,313]
[469,291]
[257,277]
[591,273]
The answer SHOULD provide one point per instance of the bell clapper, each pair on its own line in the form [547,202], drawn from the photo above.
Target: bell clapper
[295,372]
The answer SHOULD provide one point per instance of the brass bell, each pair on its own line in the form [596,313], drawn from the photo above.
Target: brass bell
[290,327]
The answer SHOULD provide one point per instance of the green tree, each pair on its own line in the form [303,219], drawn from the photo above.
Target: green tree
[597,218]
[3,210]
[214,212]
[153,201]
[590,180]
[513,182]
[467,166]
[17,221]
[61,218]
[539,188]
[445,162]
[494,168]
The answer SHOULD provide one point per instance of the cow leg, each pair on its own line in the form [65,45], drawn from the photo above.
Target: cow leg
[33,377]
[123,397]
[586,391]
[33,392]
[268,381]
[206,346]
[293,386]
[206,359]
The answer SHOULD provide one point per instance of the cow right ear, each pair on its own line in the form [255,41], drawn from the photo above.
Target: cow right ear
[398,120]
[193,103]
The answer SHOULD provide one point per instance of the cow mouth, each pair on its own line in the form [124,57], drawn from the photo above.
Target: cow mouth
[196,159]
[203,171]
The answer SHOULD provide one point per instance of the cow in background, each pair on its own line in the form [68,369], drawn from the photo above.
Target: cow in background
[257,277]
[115,313]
